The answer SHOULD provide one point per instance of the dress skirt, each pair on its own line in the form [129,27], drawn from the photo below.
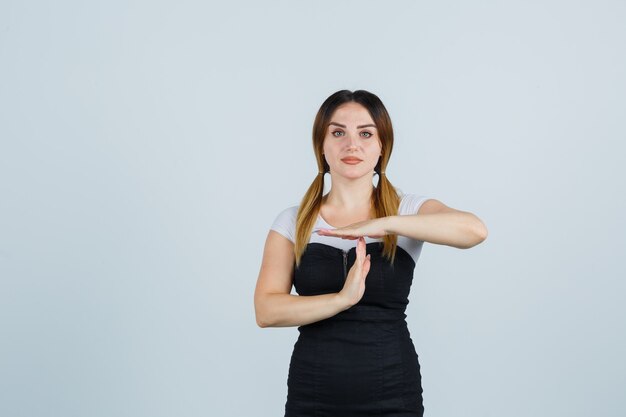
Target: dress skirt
[354,368]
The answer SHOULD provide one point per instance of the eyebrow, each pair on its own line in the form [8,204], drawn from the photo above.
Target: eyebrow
[358,127]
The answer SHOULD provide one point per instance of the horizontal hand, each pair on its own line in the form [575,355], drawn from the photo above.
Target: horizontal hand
[374,228]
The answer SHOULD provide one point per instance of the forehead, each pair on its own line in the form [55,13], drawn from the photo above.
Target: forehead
[351,114]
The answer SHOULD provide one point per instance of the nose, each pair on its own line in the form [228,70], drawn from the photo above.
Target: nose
[353,142]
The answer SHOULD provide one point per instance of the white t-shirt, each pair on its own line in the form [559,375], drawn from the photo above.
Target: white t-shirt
[285,224]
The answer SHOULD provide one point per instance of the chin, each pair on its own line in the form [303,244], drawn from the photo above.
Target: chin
[355,175]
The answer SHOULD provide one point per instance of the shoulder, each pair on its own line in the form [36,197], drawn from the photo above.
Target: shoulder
[287,213]
[414,203]
[410,203]
[285,222]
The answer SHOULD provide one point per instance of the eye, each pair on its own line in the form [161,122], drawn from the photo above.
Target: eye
[336,131]
[368,133]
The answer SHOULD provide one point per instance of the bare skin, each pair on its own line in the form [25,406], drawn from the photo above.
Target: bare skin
[347,208]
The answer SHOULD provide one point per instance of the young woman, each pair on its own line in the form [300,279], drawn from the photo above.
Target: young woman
[350,255]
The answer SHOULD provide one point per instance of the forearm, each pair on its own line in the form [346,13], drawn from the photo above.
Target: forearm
[461,230]
[284,310]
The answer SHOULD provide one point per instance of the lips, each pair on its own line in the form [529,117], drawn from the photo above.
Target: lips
[351,159]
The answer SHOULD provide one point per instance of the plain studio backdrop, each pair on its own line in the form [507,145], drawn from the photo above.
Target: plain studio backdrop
[146,148]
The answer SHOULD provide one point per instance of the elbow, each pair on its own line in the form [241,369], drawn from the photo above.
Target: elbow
[481,232]
[478,235]
[261,317]
[262,321]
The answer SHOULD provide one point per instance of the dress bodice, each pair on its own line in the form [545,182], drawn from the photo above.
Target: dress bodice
[323,269]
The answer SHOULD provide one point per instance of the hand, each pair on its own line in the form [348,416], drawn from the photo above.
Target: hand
[374,228]
[354,287]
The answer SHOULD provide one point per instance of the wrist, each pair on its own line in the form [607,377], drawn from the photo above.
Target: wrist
[389,226]
[341,303]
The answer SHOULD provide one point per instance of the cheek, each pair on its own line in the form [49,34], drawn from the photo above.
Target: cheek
[331,148]
[374,148]
[325,147]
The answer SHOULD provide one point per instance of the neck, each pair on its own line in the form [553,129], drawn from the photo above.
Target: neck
[350,194]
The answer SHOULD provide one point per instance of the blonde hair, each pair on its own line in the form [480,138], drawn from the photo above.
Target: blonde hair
[385,198]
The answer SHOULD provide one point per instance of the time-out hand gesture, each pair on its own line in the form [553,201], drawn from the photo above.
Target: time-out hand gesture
[374,228]
[354,287]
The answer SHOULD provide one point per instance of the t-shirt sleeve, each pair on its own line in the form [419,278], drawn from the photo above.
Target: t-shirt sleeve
[285,223]
[411,203]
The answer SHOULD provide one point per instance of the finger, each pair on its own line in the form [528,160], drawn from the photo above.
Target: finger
[359,254]
[368,263]
[361,249]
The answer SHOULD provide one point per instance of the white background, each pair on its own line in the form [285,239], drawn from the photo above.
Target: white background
[146,147]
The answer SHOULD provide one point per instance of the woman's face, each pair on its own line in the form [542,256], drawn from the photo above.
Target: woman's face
[351,145]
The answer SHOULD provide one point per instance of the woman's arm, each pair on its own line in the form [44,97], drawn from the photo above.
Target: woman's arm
[274,305]
[437,223]
[284,310]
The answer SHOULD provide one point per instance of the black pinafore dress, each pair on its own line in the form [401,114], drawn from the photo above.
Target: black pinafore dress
[362,361]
